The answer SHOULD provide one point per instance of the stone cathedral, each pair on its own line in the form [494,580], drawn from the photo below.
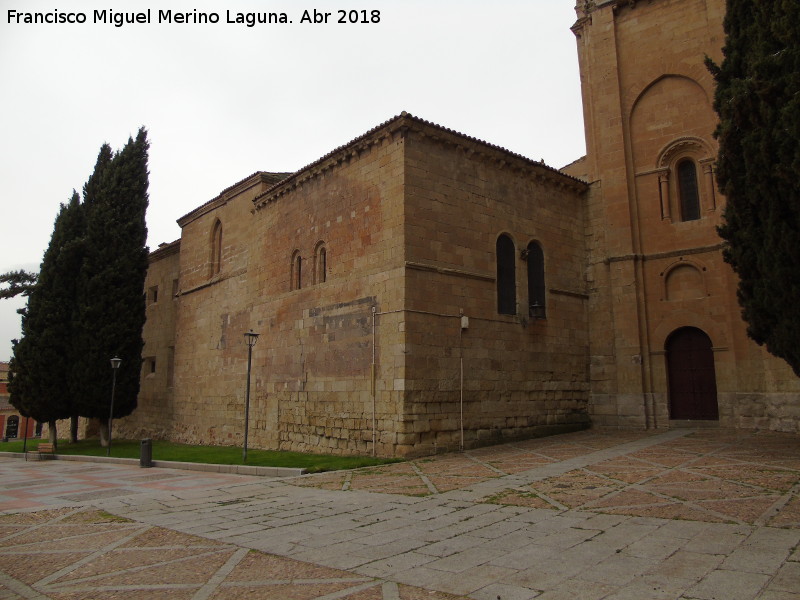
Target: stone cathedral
[418,290]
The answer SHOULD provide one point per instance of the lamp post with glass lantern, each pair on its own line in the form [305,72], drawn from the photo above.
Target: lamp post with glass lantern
[114,366]
[251,339]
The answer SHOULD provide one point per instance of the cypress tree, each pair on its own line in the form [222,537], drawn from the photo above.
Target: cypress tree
[41,363]
[758,102]
[111,305]
[20,283]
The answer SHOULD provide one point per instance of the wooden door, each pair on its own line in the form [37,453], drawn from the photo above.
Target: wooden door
[692,379]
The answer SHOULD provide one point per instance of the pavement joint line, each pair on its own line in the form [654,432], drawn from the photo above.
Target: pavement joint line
[755,554]
[552,501]
[21,588]
[484,464]
[390,591]
[136,588]
[93,556]
[424,478]
[40,526]
[560,467]
[348,591]
[214,582]
[67,585]
[779,504]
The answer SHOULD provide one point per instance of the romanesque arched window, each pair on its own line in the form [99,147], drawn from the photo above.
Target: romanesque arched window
[688,190]
[296,277]
[536,289]
[216,249]
[320,263]
[683,194]
[506,276]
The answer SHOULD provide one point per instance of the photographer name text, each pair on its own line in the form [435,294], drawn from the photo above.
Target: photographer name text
[194,17]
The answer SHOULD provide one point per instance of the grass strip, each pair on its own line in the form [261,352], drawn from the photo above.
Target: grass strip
[216,455]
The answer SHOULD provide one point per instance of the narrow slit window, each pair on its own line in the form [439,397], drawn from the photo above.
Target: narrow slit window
[216,249]
[320,263]
[536,289]
[296,275]
[506,276]
[322,266]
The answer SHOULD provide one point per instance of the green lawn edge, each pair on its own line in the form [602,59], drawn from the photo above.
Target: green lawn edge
[216,455]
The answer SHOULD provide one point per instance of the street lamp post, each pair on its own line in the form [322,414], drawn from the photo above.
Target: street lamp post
[250,338]
[114,366]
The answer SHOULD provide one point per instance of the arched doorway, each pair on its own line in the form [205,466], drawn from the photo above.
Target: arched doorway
[692,379]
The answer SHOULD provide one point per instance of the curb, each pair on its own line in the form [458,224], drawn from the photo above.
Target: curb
[167,464]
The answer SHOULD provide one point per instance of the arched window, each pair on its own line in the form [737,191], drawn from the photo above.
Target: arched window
[536,289]
[683,194]
[297,271]
[216,249]
[320,263]
[688,191]
[12,426]
[506,276]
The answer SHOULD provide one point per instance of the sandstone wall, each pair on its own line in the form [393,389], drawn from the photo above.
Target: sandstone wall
[312,367]
[154,414]
[521,376]
[648,106]
[313,370]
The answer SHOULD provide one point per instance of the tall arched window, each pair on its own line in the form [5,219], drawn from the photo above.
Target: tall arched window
[296,280]
[12,426]
[216,249]
[506,276]
[688,191]
[536,289]
[320,263]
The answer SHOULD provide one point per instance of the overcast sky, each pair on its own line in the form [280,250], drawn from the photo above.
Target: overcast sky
[224,100]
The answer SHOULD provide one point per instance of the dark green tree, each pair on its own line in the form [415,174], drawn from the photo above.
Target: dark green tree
[111,305]
[19,283]
[758,102]
[41,363]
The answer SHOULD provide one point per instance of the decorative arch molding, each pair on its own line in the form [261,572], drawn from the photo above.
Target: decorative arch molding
[684,261]
[699,76]
[682,149]
[677,319]
[682,146]
[684,166]
[684,279]
[509,235]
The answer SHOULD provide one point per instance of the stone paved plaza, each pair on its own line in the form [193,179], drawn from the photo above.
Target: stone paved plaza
[683,514]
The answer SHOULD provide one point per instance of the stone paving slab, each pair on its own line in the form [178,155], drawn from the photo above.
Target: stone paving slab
[706,475]
[616,515]
[86,553]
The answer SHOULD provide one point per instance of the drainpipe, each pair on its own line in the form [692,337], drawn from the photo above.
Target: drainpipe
[464,326]
[372,387]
